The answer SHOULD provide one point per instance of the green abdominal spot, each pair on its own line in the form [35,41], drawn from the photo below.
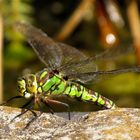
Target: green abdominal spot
[72,91]
[86,96]
[68,88]
[101,101]
[58,89]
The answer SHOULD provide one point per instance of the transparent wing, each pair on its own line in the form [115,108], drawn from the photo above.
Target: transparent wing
[79,70]
[111,53]
[115,52]
[46,49]
[70,54]
[68,60]
[51,53]
[102,74]
[71,61]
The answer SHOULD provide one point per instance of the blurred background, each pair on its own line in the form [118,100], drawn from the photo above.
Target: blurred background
[92,26]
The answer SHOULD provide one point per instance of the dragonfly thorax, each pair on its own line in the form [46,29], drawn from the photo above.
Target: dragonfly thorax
[27,85]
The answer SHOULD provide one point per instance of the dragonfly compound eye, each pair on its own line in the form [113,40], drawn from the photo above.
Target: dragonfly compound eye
[21,86]
[31,83]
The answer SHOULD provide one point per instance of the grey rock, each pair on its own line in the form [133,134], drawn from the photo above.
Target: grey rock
[116,124]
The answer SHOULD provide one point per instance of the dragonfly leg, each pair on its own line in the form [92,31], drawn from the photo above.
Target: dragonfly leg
[32,120]
[15,97]
[47,100]
[35,116]
[23,111]
[26,104]
[49,107]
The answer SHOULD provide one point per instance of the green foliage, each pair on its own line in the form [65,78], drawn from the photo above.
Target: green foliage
[16,54]
[15,51]
[123,84]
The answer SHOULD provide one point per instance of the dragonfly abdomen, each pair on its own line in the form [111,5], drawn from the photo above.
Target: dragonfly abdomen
[102,101]
[84,94]
[56,85]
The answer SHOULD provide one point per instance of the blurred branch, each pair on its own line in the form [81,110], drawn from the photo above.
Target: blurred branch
[134,21]
[113,11]
[108,34]
[1,46]
[75,19]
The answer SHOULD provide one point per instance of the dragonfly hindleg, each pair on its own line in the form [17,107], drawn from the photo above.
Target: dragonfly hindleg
[48,101]
[48,105]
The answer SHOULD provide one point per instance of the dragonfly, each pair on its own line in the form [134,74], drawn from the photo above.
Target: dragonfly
[67,72]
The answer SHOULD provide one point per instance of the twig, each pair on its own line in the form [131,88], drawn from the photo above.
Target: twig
[1,45]
[134,21]
[74,20]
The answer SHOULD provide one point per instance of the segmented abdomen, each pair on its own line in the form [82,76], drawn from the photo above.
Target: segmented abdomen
[57,85]
[82,93]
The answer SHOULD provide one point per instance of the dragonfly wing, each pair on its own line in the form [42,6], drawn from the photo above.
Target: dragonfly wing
[115,52]
[53,54]
[47,50]
[68,60]
[102,74]
[91,64]
[74,69]
[70,54]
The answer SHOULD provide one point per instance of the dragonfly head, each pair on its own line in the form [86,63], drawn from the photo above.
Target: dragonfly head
[27,85]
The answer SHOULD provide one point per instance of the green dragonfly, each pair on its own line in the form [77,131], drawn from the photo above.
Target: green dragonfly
[67,72]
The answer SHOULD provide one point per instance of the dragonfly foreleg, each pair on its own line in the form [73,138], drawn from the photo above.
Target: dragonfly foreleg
[32,120]
[26,104]
[23,111]
[35,115]
[15,97]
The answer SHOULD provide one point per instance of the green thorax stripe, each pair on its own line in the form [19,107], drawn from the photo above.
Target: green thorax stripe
[54,85]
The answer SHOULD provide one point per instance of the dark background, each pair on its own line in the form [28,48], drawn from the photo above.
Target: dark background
[88,36]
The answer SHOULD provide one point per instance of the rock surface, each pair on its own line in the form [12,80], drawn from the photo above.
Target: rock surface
[118,124]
